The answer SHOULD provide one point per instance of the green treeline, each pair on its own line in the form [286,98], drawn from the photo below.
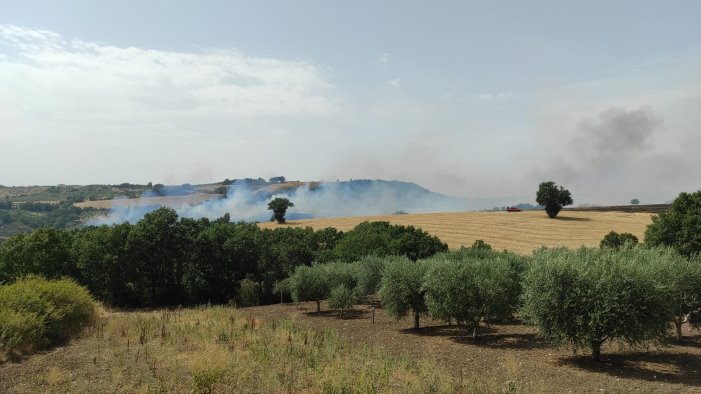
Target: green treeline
[164,260]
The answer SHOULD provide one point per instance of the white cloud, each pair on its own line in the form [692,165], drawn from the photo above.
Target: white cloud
[394,82]
[44,73]
[90,112]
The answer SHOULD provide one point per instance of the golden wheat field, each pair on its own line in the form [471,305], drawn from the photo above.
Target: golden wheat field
[520,232]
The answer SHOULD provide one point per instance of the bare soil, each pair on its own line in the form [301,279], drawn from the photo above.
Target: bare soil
[512,354]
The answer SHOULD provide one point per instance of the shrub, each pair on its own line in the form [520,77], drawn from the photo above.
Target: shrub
[480,244]
[616,240]
[249,292]
[21,332]
[401,288]
[342,297]
[472,289]
[586,297]
[38,312]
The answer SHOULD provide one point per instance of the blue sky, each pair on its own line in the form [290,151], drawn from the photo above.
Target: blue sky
[480,99]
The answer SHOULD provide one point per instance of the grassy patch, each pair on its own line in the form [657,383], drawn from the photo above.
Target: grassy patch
[218,349]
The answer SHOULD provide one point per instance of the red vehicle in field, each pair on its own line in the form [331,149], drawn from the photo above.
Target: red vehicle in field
[513,209]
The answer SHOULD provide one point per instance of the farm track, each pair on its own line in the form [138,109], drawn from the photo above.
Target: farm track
[520,232]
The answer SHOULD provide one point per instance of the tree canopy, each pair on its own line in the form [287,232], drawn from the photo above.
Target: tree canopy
[279,207]
[553,198]
[679,226]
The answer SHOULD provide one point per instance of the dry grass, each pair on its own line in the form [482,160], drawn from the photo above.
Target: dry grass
[520,232]
[171,202]
[217,349]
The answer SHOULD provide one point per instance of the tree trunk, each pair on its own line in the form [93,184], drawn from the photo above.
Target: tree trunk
[416,319]
[596,351]
[318,306]
[341,313]
[678,328]
[474,330]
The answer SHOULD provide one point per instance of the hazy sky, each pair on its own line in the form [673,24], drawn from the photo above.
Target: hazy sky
[478,99]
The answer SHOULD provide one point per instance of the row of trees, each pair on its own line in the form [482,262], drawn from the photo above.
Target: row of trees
[582,298]
[167,260]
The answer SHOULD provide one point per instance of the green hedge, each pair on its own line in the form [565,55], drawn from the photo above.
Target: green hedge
[35,313]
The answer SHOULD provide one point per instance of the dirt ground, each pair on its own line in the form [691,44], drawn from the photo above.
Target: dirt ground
[504,356]
[505,353]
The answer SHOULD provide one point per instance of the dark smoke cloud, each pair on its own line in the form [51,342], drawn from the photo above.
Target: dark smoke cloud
[616,133]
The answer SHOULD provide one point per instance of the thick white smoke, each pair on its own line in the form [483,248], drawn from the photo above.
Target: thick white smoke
[331,199]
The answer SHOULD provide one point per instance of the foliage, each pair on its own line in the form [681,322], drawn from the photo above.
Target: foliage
[368,272]
[401,288]
[680,280]
[469,289]
[249,293]
[679,226]
[480,244]
[383,239]
[634,201]
[279,207]
[553,198]
[166,260]
[342,297]
[36,312]
[310,283]
[586,297]
[616,240]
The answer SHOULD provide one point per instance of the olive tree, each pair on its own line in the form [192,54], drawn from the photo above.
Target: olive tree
[587,297]
[552,198]
[342,298]
[310,283]
[368,271]
[680,280]
[401,288]
[470,289]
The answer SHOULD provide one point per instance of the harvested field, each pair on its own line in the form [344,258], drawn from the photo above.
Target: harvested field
[171,202]
[520,232]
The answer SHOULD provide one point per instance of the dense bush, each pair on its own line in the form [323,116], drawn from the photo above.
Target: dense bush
[470,289]
[384,239]
[616,240]
[35,312]
[589,296]
[249,293]
[679,226]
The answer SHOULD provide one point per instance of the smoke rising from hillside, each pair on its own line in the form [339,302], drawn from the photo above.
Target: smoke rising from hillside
[333,199]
